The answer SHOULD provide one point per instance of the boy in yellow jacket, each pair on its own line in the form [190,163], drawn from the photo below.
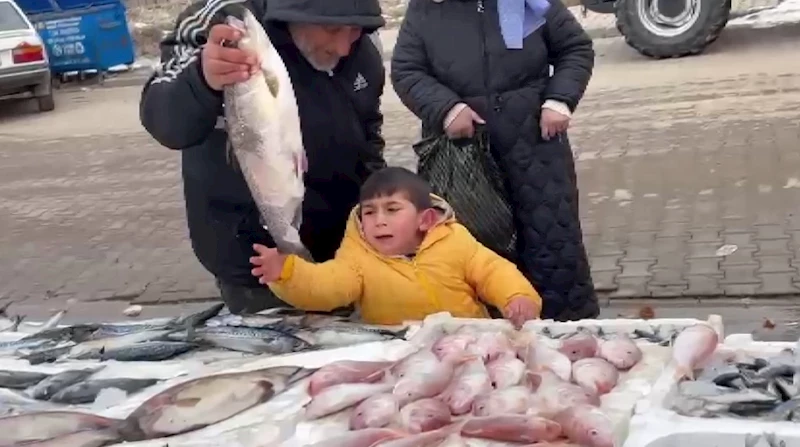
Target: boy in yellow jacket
[403,257]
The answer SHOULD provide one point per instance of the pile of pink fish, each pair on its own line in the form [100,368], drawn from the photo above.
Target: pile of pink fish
[506,387]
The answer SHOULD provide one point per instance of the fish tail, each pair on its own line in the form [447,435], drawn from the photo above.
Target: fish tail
[129,430]
[401,334]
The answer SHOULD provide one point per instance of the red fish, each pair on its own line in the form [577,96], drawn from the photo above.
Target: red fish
[620,351]
[346,371]
[453,345]
[375,412]
[424,415]
[578,346]
[470,383]
[512,428]
[554,395]
[692,347]
[587,426]
[595,375]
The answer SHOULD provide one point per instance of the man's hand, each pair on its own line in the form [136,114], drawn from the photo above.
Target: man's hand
[462,126]
[521,309]
[223,65]
[268,264]
[553,123]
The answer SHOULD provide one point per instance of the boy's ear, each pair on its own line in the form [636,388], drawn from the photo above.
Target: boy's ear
[427,219]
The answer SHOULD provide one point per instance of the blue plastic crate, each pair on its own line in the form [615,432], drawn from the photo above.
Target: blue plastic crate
[94,38]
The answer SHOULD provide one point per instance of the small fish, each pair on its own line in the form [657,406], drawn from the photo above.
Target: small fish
[204,401]
[431,438]
[424,415]
[264,131]
[621,352]
[492,345]
[554,395]
[198,318]
[579,345]
[77,333]
[514,400]
[86,392]
[471,382]
[375,412]
[419,384]
[595,375]
[46,354]
[157,324]
[420,362]
[147,351]
[539,357]
[506,371]
[84,438]
[48,387]
[19,380]
[94,349]
[587,426]
[346,371]
[48,425]
[692,348]
[254,320]
[453,345]
[512,428]
[251,340]
[361,438]
[720,373]
[339,335]
[340,397]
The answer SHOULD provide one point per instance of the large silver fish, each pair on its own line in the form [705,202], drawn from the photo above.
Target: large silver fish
[200,402]
[264,131]
[42,426]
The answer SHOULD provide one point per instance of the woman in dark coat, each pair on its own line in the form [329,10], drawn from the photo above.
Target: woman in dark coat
[461,62]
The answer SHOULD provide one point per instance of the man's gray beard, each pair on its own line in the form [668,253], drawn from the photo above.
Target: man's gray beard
[317,66]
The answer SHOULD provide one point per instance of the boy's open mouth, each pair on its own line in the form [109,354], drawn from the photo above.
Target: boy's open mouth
[383,237]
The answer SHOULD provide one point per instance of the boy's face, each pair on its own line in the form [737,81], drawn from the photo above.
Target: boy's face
[392,224]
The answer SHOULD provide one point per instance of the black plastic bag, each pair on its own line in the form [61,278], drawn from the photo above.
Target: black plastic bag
[465,173]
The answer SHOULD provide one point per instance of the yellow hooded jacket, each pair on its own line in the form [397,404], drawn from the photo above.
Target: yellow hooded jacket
[449,272]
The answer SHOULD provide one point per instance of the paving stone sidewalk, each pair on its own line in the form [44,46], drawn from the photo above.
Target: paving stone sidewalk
[676,159]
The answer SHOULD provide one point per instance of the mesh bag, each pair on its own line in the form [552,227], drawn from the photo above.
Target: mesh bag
[464,173]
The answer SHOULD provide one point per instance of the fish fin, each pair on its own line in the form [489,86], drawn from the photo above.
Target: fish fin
[751,440]
[4,308]
[187,402]
[273,83]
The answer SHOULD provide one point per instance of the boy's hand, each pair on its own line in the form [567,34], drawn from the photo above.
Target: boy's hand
[268,264]
[521,309]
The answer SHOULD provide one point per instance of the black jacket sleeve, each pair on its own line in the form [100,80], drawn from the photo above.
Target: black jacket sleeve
[177,106]
[411,75]
[373,121]
[571,54]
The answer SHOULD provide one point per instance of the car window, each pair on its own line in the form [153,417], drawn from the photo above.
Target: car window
[10,19]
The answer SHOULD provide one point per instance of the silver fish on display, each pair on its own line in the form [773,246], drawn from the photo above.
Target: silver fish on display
[339,335]
[20,380]
[264,130]
[147,351]
[204,401]
[32,427]
[48,387]
[86,392]
[250,340]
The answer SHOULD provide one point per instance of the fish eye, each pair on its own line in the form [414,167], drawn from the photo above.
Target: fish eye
[593,432]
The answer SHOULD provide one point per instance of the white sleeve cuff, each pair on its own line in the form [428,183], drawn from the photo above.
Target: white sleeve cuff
[452,114]
[557,106]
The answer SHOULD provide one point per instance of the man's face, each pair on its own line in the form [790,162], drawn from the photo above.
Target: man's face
[324,45]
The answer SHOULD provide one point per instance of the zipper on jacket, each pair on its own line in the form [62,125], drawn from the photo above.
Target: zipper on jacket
[485,58]
[425,285]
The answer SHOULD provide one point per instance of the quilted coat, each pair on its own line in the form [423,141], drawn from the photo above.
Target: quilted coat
[452,51]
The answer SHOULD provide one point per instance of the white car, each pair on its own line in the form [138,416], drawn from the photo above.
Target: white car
[24,66]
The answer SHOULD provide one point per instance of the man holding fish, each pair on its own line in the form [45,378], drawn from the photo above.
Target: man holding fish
[337,75]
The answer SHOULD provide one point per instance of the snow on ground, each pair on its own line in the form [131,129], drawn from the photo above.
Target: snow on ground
[788,11]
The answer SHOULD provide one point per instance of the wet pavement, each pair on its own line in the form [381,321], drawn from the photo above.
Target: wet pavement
[677,158]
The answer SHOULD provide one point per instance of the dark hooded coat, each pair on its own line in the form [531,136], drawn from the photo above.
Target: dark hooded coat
[339,117]
[452,51]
